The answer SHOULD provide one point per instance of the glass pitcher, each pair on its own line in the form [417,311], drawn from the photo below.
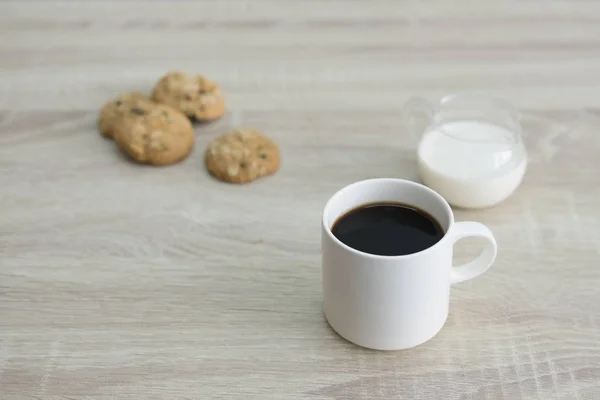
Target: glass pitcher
[470,147]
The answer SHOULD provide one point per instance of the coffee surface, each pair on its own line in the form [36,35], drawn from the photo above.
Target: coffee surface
[387,229]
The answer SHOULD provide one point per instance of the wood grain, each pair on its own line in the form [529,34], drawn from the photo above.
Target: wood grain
[119,281]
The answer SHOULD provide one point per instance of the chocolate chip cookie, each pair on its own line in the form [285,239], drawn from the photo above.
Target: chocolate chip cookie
[158,135]
[116,109]
[193,95]
[241,156]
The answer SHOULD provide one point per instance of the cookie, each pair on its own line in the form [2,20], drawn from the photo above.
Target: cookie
[193,95]
[159,135]
[113,111]
[241,156]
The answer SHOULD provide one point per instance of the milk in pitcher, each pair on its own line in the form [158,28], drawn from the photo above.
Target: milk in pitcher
[473,164]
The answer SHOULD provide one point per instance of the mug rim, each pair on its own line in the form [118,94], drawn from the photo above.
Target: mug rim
[427,189]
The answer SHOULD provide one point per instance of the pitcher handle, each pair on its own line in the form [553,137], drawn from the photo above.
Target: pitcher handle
[547,134]
[417,114]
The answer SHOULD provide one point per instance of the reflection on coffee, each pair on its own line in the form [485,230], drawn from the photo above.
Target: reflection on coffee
[387,229]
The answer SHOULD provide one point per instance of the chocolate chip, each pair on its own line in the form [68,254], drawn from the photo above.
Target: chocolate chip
[138,111]
[263,156]
[243,164]
[118,103]
[188,97]
[202,91]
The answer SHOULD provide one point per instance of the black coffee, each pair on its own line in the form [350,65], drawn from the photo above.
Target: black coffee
[387,229]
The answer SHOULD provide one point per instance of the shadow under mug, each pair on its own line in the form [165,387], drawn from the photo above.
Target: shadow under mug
[394,302]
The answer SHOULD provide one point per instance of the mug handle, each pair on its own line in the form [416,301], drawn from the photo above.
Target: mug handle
[483,261]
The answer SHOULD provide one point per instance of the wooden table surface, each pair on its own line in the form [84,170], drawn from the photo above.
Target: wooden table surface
[119,281]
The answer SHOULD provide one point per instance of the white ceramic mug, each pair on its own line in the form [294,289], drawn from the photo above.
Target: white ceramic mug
[394,302]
